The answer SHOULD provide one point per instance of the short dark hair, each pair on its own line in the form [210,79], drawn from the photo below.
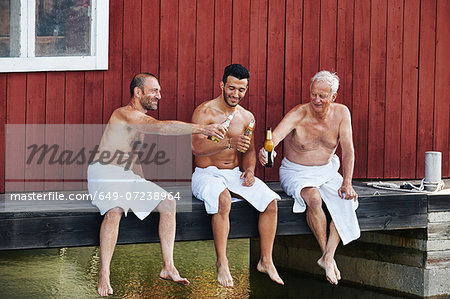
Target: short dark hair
[237,71]
[138,81]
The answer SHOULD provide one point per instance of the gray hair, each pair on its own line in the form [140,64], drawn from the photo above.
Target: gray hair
[331,79]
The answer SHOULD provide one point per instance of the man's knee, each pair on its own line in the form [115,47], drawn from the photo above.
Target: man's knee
[272,207]
[312,197]
[167,205]
[224,202]
[113,215]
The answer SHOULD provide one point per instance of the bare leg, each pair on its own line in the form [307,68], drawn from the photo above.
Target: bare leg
[267,228]
[109,231]
[315,216]
[327,261]
[167,223]
[317,221]
[221,227]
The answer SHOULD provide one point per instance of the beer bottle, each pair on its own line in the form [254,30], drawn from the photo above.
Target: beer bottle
[248,132]
[268,148]
[226,123]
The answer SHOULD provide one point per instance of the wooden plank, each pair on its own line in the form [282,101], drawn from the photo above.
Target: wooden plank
[275,74]
[257,68]
[293,63]
[328,33]
[311,40]
[241,36]
[361,86]
[16,89]
[151,26]
[204,59]
[168,58]
[73,138]
[112,80]
[93,105]
[393,115]
[344,63]
[426,80]
[241,32]
[54,118]
[131,65]
[223,22]
[93,97]
[186,61]
[3,79]
[46,229]
[442,86]
[409,93]
[35,134]
[377,89]
[439,202]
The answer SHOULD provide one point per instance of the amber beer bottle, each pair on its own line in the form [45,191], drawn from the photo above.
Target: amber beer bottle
[268,147]
[248,132]
[226,123]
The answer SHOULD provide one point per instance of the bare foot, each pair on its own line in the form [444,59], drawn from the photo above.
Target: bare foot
[104,287]
[269,269]
[328,266]
[336,270]
[223,275]
[171,273]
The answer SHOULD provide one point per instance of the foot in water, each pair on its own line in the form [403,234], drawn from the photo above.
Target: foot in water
[104,287]
[269,269]
[171,273]
[331,270]
[223,275]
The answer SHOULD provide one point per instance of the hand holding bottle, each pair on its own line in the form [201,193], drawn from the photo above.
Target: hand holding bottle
[262,156]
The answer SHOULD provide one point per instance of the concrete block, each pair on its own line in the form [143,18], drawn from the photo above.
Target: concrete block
[437,282]
[439,217]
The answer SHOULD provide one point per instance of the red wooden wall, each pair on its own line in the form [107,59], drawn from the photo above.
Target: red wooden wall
[391,55]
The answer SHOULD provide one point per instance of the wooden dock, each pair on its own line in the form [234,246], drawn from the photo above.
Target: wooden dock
[49,224]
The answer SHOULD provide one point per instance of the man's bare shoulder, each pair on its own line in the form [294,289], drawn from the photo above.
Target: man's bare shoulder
[205,112]
[246,114]
[341,110]
[127,115]
[298,112]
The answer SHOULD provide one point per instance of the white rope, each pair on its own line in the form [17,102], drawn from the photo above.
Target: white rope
[407,186]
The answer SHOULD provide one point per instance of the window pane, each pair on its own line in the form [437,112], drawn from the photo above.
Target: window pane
[63,27]
[9,28]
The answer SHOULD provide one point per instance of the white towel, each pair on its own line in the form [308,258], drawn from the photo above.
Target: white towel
[209,182]
[326,178]
[112,186]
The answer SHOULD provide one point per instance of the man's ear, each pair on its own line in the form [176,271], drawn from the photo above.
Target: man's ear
[222,86]
[137,92]
[334,96]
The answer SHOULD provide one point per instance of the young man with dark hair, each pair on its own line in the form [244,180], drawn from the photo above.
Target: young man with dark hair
[217,178]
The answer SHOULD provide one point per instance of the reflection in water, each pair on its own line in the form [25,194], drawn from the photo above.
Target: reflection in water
[72,273]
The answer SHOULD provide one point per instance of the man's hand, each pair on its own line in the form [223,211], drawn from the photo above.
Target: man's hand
[249,178]
[262,156]
[217,130]
[347,192]
[241,142]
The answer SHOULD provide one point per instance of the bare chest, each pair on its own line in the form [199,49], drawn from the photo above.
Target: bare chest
[312,136]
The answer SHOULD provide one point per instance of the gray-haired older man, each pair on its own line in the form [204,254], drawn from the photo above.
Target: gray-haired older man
[309,171]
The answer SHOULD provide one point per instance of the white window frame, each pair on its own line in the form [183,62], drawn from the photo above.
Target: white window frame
[98,60]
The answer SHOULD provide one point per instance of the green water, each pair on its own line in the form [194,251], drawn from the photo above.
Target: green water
[72,273]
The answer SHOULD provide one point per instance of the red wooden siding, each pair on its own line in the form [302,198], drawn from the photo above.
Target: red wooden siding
[391,56]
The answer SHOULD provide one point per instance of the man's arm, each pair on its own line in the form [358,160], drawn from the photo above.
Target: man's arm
[348,154]
[147,124]
[248,164]
[286,125]
[201,146]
